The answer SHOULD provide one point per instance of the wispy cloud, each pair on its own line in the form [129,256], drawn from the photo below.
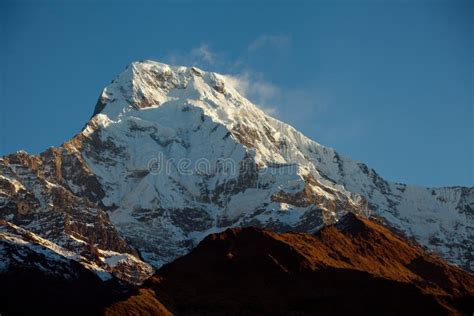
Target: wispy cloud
[247,82]
[306,106]
[204,53]
[274,41]
[255,88]
[201,56]
[297,106]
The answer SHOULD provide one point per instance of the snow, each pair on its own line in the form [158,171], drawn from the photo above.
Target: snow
[25,241]
[16,184]
[113,259]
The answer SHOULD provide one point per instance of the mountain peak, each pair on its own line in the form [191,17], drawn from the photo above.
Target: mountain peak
[353,224]
[145,84]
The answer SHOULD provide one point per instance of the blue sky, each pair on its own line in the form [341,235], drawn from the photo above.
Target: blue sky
[389,83]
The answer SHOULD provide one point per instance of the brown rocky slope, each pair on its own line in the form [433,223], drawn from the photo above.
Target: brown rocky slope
[354,267]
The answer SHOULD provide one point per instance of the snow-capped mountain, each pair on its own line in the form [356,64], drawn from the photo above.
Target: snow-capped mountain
[172,154]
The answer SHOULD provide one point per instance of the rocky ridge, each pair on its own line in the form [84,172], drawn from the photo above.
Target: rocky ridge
[356,267]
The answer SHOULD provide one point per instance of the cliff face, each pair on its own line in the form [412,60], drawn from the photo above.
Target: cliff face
[36,194]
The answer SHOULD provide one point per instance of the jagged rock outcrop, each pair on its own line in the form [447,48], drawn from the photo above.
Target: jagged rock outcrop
[38,276]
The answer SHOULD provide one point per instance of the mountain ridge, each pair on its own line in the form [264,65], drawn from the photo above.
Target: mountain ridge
[356,265]
[335,271]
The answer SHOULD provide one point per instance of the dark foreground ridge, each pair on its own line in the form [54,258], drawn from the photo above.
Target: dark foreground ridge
[354,267]
[351,268]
